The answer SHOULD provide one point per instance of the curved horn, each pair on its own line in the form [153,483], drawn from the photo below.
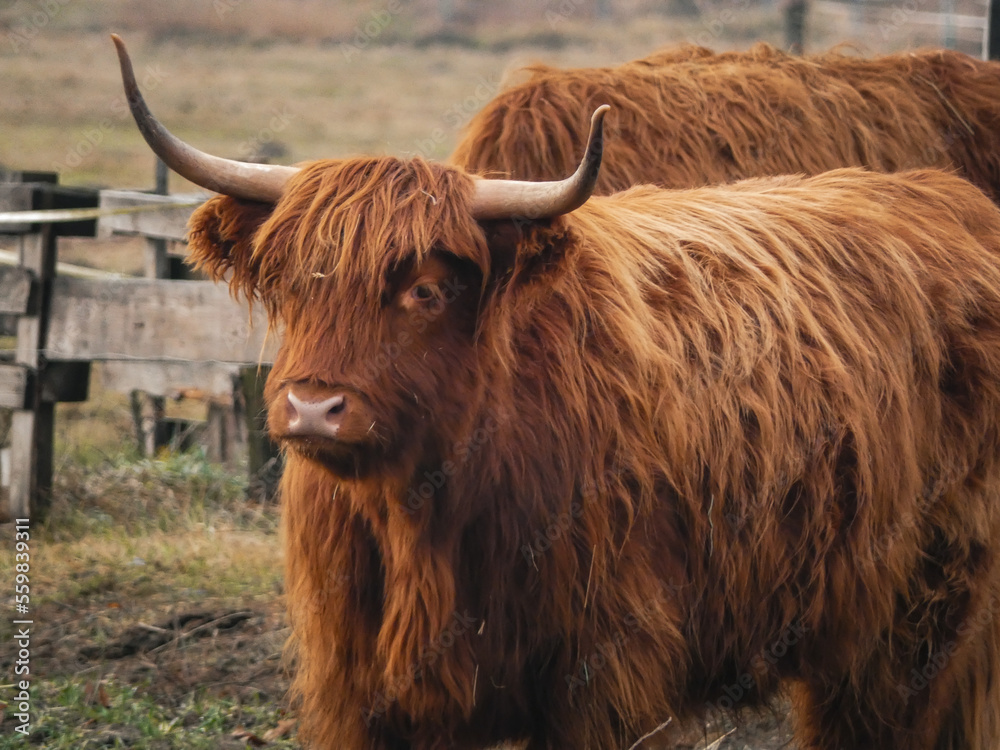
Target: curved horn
[255,182]
[507,199]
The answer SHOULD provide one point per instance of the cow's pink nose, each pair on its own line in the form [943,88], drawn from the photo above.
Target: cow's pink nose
[315,418]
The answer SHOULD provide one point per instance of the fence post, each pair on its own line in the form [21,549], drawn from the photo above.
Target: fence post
[795,26]
[991,35]
[148,410]
[33,427]
[263,457]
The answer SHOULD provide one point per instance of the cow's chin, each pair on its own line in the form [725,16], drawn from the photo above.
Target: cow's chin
[344,460]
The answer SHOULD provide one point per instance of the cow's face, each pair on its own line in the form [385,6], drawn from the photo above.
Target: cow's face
[377,377]
[377,277]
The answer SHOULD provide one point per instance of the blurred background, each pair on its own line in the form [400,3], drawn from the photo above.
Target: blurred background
[288,80]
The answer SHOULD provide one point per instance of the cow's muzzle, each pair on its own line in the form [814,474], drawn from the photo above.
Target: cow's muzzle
[316,418]
[334,424]
[313,415]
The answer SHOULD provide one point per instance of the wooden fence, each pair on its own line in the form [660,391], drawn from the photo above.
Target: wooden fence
[155,335]
[956,24]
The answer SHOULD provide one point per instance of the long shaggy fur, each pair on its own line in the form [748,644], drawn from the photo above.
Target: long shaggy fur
[687,117]
[738,436]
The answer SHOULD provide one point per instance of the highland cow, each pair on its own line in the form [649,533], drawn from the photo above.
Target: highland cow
[628,457]
[687,117]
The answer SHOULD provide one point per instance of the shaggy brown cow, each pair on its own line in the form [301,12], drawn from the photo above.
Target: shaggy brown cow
[560,479]
[688,117]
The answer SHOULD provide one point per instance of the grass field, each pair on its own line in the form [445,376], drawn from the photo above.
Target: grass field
[155,585]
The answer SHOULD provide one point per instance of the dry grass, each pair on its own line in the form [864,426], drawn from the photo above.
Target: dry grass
[201,563]
[177,518]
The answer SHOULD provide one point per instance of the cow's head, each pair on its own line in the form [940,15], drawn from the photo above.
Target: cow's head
[379,270]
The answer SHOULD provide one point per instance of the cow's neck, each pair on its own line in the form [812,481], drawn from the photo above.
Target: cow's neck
[420,607]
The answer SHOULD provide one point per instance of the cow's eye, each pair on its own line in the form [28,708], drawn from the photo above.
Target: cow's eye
[423,292]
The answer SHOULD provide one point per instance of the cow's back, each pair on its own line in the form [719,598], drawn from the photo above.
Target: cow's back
[812,286]
[686,117]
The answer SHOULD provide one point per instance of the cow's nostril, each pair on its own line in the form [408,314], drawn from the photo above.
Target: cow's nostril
[338,405]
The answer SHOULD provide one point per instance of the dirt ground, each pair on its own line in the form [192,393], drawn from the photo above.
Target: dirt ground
[219,650]
[234,649]
[239,654]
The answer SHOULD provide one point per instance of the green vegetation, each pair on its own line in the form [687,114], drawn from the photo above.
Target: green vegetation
[75,715]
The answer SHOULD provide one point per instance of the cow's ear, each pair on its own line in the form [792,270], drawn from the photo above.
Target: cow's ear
[519,247]
[221,239]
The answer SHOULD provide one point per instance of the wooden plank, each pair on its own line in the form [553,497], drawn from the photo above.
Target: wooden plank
[10,258]
[225,433]
[22,444]
[33,429]
[13,386]
[169,378]
[5,467]
[38,252]
[17,197]
[156,262]
[157,265]
[930,18]
[42,195]
[991,34]
[168,224]
[5,514]
[15,290]
[26,351]
[153,434]
[14,197]
[158,320]
[31,443]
